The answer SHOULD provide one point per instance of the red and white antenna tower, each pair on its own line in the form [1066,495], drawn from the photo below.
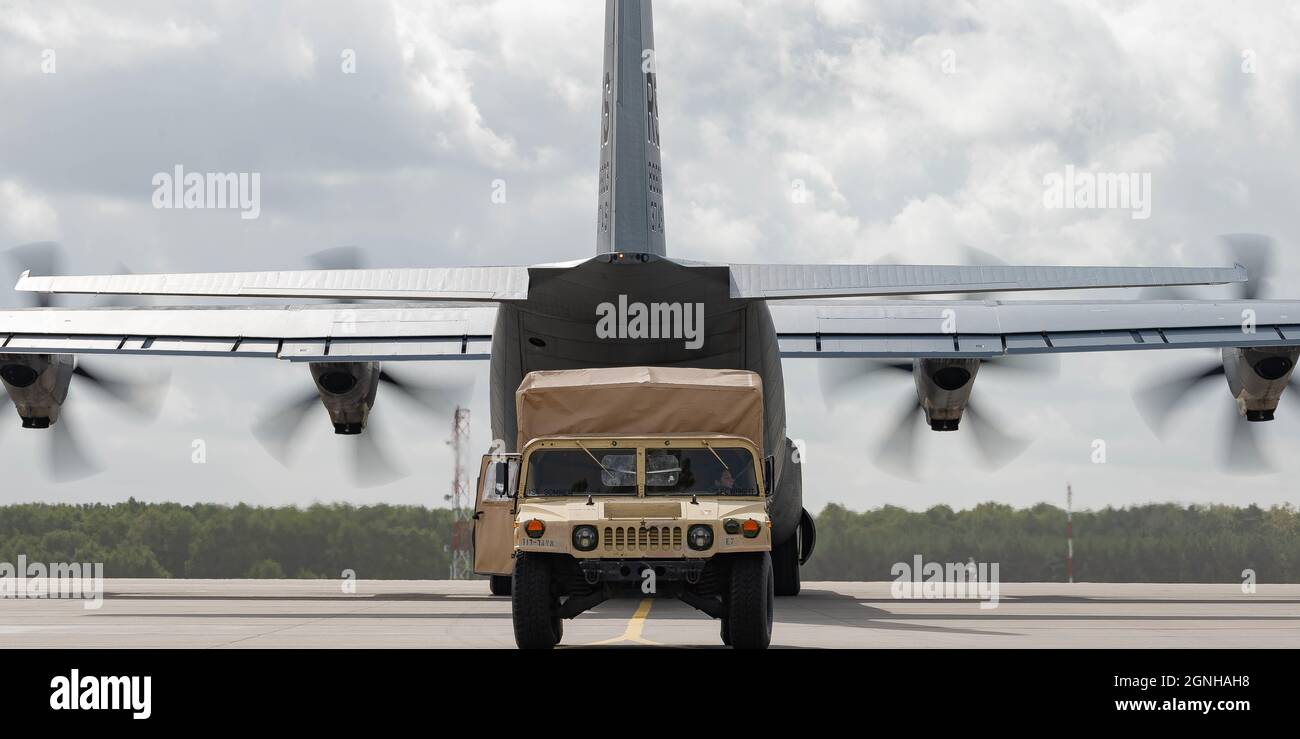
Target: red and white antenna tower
[1069,533]
[462,554]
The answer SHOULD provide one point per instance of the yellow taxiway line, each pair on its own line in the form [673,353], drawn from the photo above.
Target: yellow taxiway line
[634,627]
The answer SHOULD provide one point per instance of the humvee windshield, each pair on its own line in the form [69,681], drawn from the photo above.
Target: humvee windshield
[589,471]
[706,471]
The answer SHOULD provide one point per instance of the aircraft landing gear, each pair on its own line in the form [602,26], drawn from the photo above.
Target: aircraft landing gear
[499,584]
[785,565]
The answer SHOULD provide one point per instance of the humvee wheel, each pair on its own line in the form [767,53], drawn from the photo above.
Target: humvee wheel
[749,612]
[785,566]
[533,608]
[499,584]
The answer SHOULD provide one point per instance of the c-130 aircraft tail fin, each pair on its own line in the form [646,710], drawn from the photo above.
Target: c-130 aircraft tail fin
[630,215]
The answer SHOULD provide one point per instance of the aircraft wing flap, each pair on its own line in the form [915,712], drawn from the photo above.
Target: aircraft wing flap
[992,328]
[292,333]
[391,349]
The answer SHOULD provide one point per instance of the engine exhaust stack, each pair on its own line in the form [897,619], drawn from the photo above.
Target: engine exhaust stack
[38,385]
[943,387]
[347,390]
[1257,377]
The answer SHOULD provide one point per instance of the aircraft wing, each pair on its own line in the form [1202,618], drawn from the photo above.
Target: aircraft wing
[989,328]
[823,328]
[299,333]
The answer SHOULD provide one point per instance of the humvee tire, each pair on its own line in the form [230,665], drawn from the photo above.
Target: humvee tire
[533,608]
[785,566]
[749,611]
[499,584]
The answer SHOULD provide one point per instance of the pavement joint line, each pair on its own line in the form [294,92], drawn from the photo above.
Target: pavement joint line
[371,606]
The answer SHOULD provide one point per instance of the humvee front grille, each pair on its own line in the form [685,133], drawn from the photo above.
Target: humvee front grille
[642,538]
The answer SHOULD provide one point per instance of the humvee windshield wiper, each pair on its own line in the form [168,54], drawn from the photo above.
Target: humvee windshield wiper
[593,457]
[716,456]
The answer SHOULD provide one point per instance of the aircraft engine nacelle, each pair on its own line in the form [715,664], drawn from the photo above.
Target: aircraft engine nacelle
[347,390]
[1257,377]
[943,388]
[38,385]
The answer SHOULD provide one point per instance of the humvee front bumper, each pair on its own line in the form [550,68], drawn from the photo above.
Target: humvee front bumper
[597,571]
[694,581]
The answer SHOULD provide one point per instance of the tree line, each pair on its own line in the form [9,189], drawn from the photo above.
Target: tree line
[135,539]
[1149,543]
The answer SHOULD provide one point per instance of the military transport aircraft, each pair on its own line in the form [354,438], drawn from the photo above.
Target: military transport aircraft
[631,304]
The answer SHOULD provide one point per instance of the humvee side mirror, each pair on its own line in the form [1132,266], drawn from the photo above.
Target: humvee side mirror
[769,475]
[502,475]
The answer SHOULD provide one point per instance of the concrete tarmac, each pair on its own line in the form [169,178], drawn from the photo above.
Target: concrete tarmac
[433,613]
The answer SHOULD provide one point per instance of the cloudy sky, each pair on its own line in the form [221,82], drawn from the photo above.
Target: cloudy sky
[913,128]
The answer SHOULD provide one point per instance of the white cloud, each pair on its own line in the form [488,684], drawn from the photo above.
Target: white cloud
[25,216]
[84,36]
[438,75]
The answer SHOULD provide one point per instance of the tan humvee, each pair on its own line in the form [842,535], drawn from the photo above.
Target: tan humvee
[631,482]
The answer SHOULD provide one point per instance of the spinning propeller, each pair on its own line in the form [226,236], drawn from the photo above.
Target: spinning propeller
[1242,452]
[279,430]
[1161,396]
[140,394]
[897,451]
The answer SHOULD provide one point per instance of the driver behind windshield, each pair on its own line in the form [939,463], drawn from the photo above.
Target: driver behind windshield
[704,471]
[725,482]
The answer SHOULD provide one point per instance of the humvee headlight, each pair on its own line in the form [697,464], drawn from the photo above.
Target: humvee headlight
[750,528]
[584,538]
[535,528]
[731,526]
[700,537]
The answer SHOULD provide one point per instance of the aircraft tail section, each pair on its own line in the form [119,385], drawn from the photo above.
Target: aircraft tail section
[630,215]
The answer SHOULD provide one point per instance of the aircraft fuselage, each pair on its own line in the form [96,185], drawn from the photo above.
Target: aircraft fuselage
[695,324]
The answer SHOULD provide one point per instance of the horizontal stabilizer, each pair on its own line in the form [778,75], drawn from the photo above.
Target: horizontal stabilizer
[793,281]
[440,283]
